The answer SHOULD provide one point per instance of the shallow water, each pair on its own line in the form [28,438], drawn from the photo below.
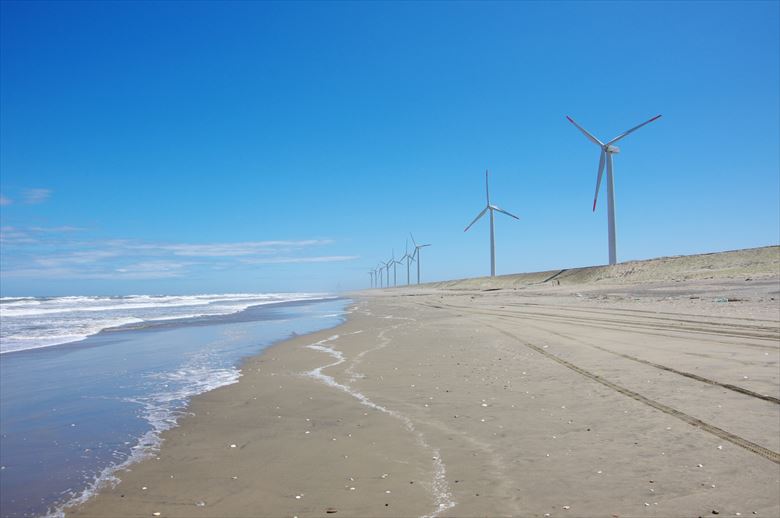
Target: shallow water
[71,414]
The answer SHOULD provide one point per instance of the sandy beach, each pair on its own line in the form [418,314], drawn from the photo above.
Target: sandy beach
[645,389]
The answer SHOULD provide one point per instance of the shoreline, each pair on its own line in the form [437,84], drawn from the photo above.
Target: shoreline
[542,402]
[169,323]
[63,435]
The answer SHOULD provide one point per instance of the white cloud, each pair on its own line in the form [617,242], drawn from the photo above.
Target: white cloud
[5,201]
[12,235]
[61,252]
[287,260]
[35,196]
[54,230]
[231,249]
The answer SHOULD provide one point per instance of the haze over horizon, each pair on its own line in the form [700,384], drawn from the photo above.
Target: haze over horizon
[203,147]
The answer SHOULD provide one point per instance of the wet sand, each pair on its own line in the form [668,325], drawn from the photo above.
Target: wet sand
[604,397]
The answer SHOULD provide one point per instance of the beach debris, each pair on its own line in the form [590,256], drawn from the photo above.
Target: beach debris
[599,472]
[200,503]
[351,488]
[699,465]
[385,475]
[144,488]
[715,511]
[298,497]
[387,492]
[330,510]
[567,507]
[307,431]
[234,477]
[233,446]
[647,505]
[156,513]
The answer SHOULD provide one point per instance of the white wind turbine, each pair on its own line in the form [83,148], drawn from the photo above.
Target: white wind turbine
[409,259]
[387,269]
[491,208]
[371,274]
[379,274]
[416,254]
[607,150]
[394,263]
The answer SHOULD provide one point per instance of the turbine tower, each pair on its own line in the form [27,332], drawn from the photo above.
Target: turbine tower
[491,208]
[607,150]
[416,253]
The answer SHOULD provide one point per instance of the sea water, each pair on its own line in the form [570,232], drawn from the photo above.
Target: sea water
[73,412]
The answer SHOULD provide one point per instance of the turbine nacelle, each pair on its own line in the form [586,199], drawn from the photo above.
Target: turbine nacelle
[612,149]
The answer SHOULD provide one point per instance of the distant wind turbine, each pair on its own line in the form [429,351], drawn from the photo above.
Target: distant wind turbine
[490,208]
[607,150]
[371,274]
[387,268]
[409,260]
[416,254]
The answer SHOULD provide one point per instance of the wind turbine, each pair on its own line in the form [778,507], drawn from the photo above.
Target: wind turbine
[379,274]
[491,208]
[607,150]
[371,274]
[417,254]
[387,268]
[409,260]
[394,263]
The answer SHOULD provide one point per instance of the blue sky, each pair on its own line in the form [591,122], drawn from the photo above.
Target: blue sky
[256,146]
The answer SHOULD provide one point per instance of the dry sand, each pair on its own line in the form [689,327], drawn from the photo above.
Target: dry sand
[645,389]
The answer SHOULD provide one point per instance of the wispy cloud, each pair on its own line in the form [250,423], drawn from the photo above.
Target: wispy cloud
[292,260]
[54,230]
[35,196]
[64,252]
[5,201]
[10,235]
[231,249]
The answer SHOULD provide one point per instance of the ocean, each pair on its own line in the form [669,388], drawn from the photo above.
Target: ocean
[87,384]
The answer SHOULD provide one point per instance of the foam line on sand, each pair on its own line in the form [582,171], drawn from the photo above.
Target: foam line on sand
[442,496]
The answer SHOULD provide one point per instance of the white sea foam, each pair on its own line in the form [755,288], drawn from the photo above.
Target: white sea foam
[442,495]
[161,409]
[30,323]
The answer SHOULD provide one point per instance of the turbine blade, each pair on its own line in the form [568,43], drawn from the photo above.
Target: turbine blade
[632,130]
[598,178]
[585,132]
[423,246]
[475,219]
[487,187]
[504,212]
[413,241]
